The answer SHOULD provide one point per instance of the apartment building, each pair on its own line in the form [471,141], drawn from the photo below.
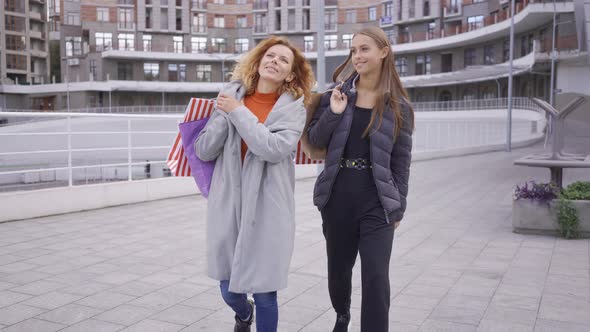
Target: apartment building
[162,52]
[23,42]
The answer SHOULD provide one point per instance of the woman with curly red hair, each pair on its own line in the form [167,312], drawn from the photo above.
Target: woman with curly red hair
[253,135]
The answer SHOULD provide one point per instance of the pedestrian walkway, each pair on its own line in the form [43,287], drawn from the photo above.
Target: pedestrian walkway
[456,264]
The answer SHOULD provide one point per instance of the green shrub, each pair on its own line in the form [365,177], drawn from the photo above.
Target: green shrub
[576,191]
[567,218]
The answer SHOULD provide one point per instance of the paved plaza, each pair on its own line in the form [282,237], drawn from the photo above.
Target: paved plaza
[456,264]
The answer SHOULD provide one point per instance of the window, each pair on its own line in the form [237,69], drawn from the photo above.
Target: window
[17,6]
[469,94]
[277,3]
[259,23]
[199,44]
[18,62]
[203,73]
[401,65]
[151,71]
[291,19]
[102,14]
[92,68]
[103,40]
[218,45]
[124,71]
[14,23]
[426,8]
[278,22]
[241,45]
[488,55]
[241,2]
[388,9]
[73,46]
[306,19]
[422,65]
[148,18]
[431,30]
[199,22]
[73,18]
[178,44]
[506,50]
[469,57]
[331,42]
[347,40]
[372,13]
[147,43]
[401,9]
[523,46]
[412,9]
[330,19]
[219,2]
[474,22]
[126,19]
[219,21]
[308,43]
[242,21]
[127,41]
[163,18]
[16,43]
[176,72]
[351,16]
[179,20]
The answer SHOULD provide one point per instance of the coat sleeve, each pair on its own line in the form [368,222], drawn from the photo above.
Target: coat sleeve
[211,139]
[323,123]
[271,146]
[401,157]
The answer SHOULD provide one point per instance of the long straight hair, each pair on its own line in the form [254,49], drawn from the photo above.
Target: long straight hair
[389,90]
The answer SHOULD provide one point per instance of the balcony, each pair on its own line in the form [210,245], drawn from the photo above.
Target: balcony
[451,11]
[125,2]
[385,21]
[38,53]
[126,25]
[260,29]
[37,34]
[260,5]
[198,29]
[35,16]
[198,4]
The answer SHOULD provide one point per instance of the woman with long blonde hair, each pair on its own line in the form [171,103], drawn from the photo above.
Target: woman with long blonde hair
[253,134]
[366,125]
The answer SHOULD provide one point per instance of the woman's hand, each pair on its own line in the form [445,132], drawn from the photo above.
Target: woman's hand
[338,100]
[227,103]
[396,224]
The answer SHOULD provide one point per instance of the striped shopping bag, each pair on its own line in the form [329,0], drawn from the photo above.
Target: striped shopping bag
[197,109]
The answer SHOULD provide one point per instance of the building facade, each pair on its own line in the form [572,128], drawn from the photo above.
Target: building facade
[162,52]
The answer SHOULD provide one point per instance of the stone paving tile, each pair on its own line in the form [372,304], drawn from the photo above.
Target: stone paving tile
[34,325]
[69,314]
[456,265]
[154,326]
[125,314]
[18,312]
[93,325]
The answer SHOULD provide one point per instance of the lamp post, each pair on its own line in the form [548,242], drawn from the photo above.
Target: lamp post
[509,120]
[65,59]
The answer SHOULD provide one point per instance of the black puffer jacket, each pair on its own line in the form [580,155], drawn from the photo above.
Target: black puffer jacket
[390,158]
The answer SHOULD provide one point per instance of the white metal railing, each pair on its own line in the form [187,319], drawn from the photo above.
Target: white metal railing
[476,104]
[62,148]
[149,109]
[50,149]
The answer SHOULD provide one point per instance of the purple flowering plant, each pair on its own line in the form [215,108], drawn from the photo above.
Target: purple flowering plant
[541,192]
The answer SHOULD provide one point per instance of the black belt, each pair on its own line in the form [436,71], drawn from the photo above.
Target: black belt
[357,163]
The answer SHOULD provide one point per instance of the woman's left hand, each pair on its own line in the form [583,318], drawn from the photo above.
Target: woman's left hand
[396,224]
[227,103]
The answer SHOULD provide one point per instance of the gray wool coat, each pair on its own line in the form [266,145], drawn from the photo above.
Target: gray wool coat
[251,206]
[390,157]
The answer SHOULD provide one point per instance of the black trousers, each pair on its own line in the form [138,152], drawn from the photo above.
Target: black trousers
[354,222]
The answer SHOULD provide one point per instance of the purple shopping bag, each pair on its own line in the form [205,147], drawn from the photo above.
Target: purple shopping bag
[202,171]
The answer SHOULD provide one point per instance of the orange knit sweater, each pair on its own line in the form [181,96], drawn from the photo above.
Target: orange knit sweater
[260,104]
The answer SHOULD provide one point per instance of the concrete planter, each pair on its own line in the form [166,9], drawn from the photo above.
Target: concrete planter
[532,217]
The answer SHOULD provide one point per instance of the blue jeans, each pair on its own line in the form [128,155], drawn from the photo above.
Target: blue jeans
[267,308]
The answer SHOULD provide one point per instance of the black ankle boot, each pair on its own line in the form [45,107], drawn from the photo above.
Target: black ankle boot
[342,322]
[244,326]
